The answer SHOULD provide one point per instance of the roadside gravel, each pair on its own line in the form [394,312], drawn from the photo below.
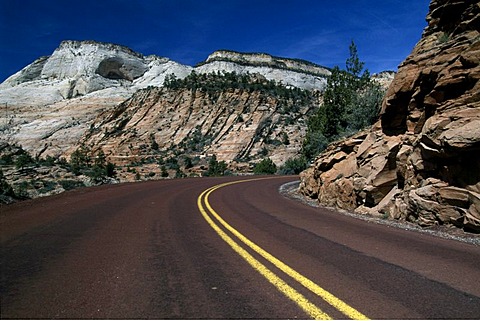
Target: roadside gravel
[290,190]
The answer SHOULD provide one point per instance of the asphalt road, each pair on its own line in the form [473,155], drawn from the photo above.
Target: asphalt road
[193,249]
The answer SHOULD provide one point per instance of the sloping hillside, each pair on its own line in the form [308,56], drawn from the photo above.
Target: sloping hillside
[48,106]
[238,118]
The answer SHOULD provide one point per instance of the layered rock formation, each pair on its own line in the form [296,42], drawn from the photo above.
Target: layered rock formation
[48,106]
[421,161]
[237,125]
[78,68]
[297,73]
[105,98]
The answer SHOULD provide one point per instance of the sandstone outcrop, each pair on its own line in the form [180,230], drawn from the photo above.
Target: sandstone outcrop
[236,125]
[109,98]
[48,106]
[293,72]
[78,68]
[421,161]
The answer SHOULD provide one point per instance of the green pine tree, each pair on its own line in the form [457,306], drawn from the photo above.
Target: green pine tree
[266,166]
[351,102]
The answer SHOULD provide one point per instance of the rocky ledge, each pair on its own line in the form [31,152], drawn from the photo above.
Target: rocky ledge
[290,72]
[420,162]
[263,59]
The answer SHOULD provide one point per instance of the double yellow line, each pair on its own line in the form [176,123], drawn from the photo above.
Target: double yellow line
[310,309]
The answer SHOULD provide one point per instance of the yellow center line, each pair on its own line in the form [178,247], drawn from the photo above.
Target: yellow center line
[307,283]
[308,307]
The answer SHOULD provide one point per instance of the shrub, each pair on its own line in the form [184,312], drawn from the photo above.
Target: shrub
[46,186]
[6,160]
[266,166]
[164,172]
[314,143]
[153,142]
[5,188]
[69,184]
[285,139]
[294,166]
[443,38]
[179,173]
[216,168]
[21,189]
[79,160]
[188,162]
[48,161]
[23,160]
[172,163]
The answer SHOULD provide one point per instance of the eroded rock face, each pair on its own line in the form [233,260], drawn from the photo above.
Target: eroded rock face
[291,72]
[266,60]
[421,161]
[78,68]
[119,68]
[237,125]
[48,106]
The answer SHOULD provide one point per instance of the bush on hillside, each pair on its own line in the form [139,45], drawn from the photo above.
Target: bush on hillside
[265,166]
[294,166]
[351,103]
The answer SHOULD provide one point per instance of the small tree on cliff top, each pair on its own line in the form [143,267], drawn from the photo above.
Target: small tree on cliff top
[351,102]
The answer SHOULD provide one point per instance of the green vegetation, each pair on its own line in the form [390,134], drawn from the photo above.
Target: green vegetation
[5,188]
[23,160]
[351,103]
[179,173]
[164,172]
[195,141]
[18,157]
[294,166]
[153,142]
[277,62]
[214,83]
[443,38]
[21,189]
[81,163]
[265,166]
[69,184]
[216,168]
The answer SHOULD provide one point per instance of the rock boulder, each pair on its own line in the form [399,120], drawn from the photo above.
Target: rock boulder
[421,161]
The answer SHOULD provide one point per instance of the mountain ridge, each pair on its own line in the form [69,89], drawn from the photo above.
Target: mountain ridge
[291,64]
[106,99]
[265,59]
[82,78]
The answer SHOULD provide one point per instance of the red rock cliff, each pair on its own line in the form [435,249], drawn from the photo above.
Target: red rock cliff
[421,162]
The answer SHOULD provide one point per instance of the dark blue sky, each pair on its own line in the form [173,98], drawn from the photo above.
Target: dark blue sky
[187,31]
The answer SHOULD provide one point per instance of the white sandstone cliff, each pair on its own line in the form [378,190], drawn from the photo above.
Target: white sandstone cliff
[47,106]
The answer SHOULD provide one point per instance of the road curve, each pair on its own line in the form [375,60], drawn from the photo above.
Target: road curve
[196,249]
